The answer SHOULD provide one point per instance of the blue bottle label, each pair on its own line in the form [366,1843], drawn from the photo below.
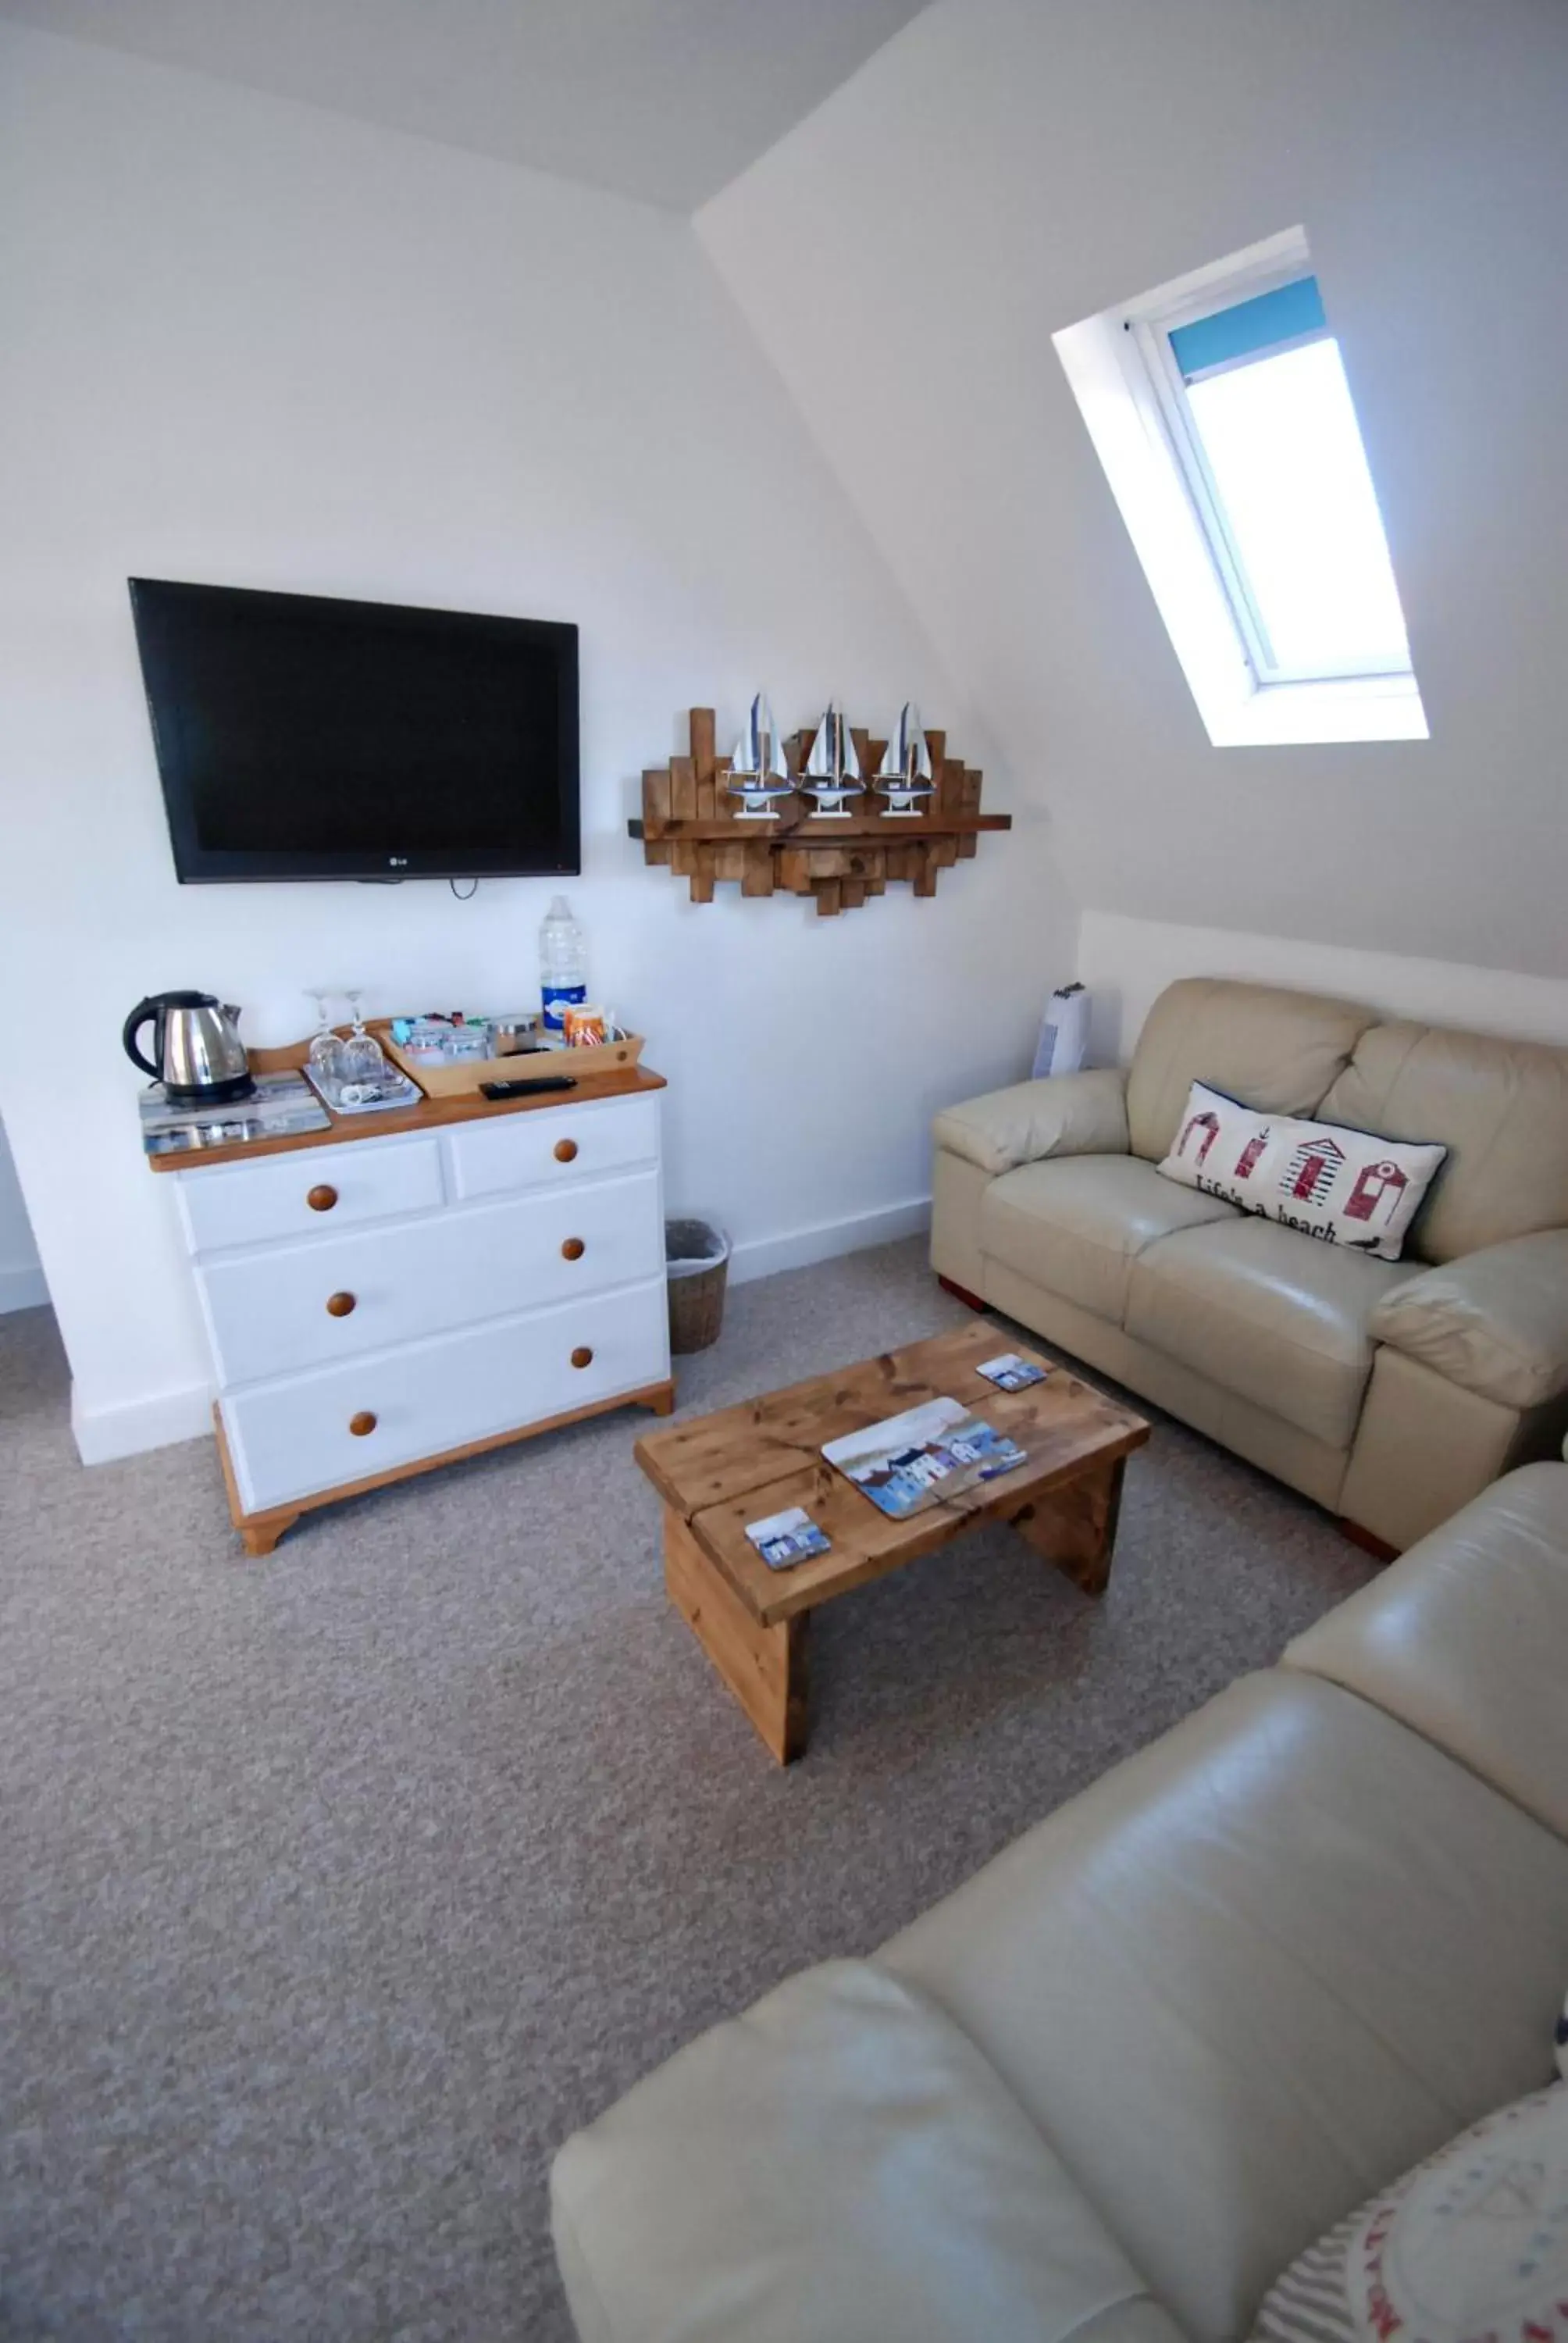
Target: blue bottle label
[557,999]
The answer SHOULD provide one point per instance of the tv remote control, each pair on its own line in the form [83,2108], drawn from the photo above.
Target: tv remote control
[526,1089]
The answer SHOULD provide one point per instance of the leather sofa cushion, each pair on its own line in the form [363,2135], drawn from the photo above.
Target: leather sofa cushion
[841,2165]
[1465,1640]
[1252,1975]
[1495,1322]
[1501,1108]
[1274,1316]
[1077,1224]
[1264,1046]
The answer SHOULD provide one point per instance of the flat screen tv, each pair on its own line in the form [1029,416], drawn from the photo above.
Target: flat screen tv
[302,738]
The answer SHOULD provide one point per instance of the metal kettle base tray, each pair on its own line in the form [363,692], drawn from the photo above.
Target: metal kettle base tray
[279,1106]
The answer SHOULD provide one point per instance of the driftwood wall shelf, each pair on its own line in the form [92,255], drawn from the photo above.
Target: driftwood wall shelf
[687,824]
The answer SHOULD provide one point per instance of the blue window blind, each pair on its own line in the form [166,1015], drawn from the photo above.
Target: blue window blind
[1248,328]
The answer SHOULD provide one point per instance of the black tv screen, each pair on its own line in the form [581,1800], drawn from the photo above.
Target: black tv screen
[302,738]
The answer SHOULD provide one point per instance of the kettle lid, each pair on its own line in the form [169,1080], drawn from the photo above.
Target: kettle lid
[185,1001]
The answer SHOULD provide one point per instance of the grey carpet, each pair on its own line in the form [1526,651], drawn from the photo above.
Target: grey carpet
[340,1886]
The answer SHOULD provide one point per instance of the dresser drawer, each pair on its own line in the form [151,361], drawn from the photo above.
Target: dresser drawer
[291,1439]
[310,1191]
[307,1305]
[553,1148]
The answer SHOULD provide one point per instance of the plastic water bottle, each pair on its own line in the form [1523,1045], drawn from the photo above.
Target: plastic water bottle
[563,963]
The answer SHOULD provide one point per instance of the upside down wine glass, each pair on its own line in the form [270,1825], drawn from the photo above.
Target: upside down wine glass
[364,1059]
[326,1053]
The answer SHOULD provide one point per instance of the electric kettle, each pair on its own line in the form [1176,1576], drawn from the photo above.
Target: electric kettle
[200,1058]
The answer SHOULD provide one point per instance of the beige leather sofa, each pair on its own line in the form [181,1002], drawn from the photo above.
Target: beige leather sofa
[1112,2085]
[1389,1392]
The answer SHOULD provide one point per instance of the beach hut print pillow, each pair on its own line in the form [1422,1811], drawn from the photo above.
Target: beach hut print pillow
[1344,1187]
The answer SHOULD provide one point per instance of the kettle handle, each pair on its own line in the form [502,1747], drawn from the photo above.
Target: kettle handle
[140,1016]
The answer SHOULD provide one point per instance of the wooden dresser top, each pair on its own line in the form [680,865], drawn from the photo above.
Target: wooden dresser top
[430,1114]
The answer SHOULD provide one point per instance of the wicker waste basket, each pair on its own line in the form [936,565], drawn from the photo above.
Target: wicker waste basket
[696,1259]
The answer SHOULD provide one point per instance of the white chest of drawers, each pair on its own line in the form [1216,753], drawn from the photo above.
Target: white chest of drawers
[391,1301]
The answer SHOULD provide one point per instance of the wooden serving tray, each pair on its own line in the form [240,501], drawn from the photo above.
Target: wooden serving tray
[466,1073]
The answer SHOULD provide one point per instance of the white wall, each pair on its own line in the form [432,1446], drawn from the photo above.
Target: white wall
[251,341]
[1006,167]
[21,1285]
[1128,963]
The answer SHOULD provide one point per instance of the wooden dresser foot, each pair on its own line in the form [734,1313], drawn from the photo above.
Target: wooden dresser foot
[261,1537]
[661,1402]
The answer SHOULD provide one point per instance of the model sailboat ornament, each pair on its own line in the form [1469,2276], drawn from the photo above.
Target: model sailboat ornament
[757,772]
[833,771]
[904,775]
[692,821]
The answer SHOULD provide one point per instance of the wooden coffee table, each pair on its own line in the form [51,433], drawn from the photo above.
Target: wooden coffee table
[719,1472]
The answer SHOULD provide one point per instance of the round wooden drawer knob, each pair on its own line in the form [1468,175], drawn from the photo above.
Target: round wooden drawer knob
[573,1249]
[362,1424]
[338,1305]
[565,1151]
[322,1198]
[582,1356]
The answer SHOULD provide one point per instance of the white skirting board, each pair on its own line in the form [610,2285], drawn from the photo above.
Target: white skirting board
[103,1434]
[765,1256]
[22,1289]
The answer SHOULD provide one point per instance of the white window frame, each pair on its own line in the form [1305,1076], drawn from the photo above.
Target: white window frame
[1125,378]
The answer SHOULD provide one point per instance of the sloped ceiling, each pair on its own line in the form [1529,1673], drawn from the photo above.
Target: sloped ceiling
[660,99]
[1006,166]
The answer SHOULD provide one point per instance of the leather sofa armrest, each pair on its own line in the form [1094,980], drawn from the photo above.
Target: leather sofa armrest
[1493,1321]
[1069,1114]
[839,2165]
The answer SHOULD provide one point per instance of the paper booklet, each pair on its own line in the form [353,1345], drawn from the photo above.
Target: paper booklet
[914,1461]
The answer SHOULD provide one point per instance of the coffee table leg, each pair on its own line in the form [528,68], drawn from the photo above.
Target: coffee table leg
[765,1668]
[1075,1527]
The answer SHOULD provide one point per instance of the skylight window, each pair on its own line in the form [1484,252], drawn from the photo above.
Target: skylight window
[1221,410]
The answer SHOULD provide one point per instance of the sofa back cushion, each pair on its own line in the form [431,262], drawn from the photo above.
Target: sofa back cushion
[1257,1042]
[1501,1108]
